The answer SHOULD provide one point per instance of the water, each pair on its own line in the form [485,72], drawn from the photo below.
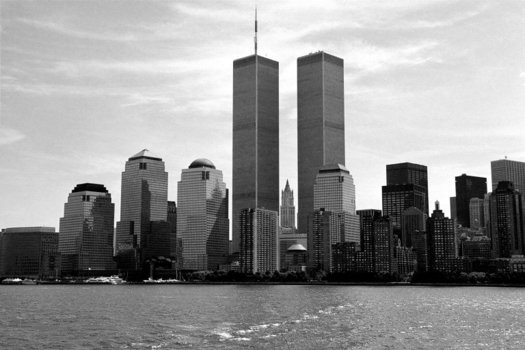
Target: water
[260,317]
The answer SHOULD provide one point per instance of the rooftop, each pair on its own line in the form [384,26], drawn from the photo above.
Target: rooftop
[145,153]
[201,163]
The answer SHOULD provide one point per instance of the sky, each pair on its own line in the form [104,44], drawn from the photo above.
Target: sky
[87,84]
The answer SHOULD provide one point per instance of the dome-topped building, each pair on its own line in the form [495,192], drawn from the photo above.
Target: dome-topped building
[201,163]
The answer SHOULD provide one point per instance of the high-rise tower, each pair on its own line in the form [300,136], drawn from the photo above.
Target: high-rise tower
[86,230]
[287,208]
[468,187]
[144,199]
[508,170]
[255,175]
[202,217]
[320,123]
[408,173]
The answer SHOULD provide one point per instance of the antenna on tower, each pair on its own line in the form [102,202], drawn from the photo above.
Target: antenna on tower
[255,38]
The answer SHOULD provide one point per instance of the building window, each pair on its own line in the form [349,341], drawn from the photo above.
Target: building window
[142,166]
[205,175]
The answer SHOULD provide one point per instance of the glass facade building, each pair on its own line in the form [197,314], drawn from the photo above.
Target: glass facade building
[144,199]
[202,217]
[468,187]
[508,170]
[320,123]
[398,198]
[86,230]
[255,173]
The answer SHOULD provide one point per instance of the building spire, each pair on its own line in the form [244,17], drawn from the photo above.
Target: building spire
[255,38]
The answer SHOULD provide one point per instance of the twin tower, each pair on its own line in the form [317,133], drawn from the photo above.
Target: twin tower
[320,130]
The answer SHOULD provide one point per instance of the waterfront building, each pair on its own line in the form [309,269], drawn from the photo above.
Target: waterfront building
[477,213]
[202,217]
[409,173]
[255,176]
[406,258]
[508,170]
[259,240]
[477,247]
[86,231]
[377,243]
[143,201]
[334,191]
[506,221]
[441,239]
[29,252]
[420,246]
[468,187]
[172,223]
[286,240]
[287,209]
[398,198]
[320,123]
[412,220]
[343,257]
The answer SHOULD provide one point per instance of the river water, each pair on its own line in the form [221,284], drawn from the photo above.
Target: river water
[260,317]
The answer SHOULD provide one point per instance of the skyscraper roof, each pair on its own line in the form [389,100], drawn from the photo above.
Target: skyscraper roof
[201,163]
[90,187]
[145,153]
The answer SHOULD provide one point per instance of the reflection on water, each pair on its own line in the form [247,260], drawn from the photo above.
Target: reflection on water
[265,317]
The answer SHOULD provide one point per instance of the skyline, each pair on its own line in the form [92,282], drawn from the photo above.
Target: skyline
[85,85]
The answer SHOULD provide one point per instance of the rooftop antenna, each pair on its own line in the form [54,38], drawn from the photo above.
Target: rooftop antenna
[255,38]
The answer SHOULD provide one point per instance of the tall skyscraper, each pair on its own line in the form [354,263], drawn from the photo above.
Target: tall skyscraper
[441,240]
[202,216]
[259,250]
[86,230]
[477,213]
[468,187]
[413,220]
[398,198]
[506,221]
[255,176]
[508,170]
[144,199]
[287,209]
[409,173]
[320,123]
[334,191]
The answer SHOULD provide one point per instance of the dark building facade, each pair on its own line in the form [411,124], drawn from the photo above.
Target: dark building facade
[255,176]
[320,123]
[468,187]
[398,198]
[29,252]
[412,220]
[409,173]
[506,221]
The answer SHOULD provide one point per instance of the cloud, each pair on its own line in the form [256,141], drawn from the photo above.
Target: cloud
[9,136]
[62,29]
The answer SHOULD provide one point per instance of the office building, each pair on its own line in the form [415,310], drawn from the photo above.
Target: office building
[321,236]
[477,213]
[29,252]
[378,243]
[202,217]
[441,240]
[287,208]
[508,170]
[398,198]
[334,191]
[409,173]
[453,209]
[506,221]
[144,199]
[468,187]
[255,176]
[412,220]
[86,231]
[320,123]
[259,241]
